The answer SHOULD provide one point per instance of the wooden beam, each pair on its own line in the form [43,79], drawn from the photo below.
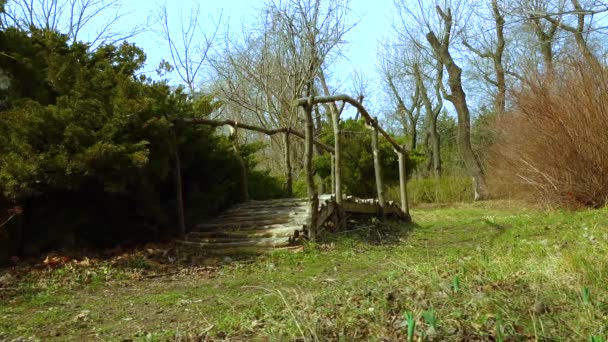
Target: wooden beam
[236,124]
[313,199]
[288,175]
[403,183]
[337,166]
[364,113]
[378,172]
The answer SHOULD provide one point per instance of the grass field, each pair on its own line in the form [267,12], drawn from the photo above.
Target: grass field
[471,272]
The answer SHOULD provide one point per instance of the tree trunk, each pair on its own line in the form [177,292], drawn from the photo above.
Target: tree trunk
[458,99]
[501,84]
[288,171]
[378,173]
[431,114]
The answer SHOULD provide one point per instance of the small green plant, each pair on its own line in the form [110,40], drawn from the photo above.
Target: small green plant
[586,295]
[499,334]
[430,318]
[456,284]
[411,325]
[485,258]
[597,339]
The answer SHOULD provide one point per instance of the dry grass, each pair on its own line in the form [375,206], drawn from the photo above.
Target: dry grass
[554,144]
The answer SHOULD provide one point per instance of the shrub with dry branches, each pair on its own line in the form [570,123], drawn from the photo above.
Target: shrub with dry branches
[554,145]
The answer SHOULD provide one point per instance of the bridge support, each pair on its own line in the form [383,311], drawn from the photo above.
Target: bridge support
[288,175]
[313,199]
[403,181]
[378,171]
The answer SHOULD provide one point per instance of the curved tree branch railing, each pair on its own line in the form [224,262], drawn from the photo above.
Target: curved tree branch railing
[307,104]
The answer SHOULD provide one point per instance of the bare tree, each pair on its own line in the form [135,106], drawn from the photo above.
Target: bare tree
[492,48]
[439,23]
[263,72]
[97,18]
[397,71]
[189,48]
[432,110]
[581,28]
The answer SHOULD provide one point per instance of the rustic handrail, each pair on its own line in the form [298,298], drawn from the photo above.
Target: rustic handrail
[273,131]
[309,102]
[368,118]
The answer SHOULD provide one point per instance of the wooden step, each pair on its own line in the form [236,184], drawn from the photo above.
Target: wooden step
[245,224]
[269,231]
[264,211]
[261,242]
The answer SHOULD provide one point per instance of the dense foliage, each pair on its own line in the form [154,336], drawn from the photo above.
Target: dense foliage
[87,145]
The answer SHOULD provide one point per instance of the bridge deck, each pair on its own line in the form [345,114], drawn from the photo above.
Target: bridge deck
[256,226]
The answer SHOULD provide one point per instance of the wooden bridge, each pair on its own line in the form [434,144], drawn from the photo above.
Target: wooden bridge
[256,226]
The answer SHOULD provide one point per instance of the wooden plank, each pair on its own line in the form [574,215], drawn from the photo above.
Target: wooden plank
[263,242]
[273,231]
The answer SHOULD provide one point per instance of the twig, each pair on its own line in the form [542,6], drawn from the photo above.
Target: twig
[7,220]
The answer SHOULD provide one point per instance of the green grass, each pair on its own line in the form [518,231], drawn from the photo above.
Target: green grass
[521,273]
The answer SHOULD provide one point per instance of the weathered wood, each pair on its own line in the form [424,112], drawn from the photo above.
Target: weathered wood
[259,242]
[335,122]
[378,172]
[403,183]
[287,157]
[310,179]
[179,194]
[272,231]
[217,123]
[333,173]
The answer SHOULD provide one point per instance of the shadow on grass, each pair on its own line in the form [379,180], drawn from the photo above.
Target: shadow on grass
[371,231]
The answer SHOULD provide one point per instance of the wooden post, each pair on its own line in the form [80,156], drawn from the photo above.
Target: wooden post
[335,119]
[179,194]
[313,199]
[288,176]
[244,181]
[333,172]
[403,182]
[378,171]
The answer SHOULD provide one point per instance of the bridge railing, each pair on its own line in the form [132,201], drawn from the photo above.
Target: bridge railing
[307,104]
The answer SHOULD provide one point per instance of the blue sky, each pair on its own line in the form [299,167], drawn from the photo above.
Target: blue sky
[360,54]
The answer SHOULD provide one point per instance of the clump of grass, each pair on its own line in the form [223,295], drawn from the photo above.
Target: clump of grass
[430,318]
[456,284]
[411,325]
[499,328]
[586,296]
